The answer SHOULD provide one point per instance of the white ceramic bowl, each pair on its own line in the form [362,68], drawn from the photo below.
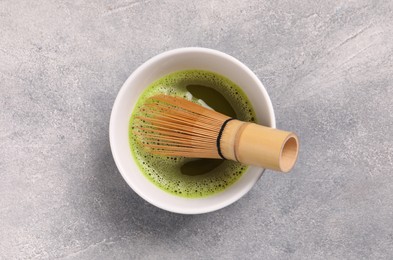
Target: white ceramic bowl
[155,68]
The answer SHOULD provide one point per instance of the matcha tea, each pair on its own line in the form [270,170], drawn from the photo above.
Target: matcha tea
[190,177]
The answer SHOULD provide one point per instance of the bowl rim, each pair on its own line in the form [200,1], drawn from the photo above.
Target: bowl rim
[116,105]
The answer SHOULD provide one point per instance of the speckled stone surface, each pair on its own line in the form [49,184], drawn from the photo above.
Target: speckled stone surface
[327,65]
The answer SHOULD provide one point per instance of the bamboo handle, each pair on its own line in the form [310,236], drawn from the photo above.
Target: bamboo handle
[261,146]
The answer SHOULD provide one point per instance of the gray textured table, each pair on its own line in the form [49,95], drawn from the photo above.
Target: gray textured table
[327,65]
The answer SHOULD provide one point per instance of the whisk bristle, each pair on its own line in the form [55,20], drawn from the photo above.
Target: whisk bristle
[173,126]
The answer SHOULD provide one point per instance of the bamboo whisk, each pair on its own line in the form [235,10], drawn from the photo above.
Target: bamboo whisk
[173,126]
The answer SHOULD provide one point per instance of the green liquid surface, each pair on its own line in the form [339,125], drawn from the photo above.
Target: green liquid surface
[190,177]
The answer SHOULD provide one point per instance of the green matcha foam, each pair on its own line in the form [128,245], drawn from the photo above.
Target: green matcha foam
[165,172]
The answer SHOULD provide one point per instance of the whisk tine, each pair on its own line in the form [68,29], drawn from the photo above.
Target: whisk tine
[163,133]
[188,106]
[184,152]
[176,112]
[175,128]
[173,140]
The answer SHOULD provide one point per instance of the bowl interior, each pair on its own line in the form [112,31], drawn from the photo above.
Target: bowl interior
[155,68]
